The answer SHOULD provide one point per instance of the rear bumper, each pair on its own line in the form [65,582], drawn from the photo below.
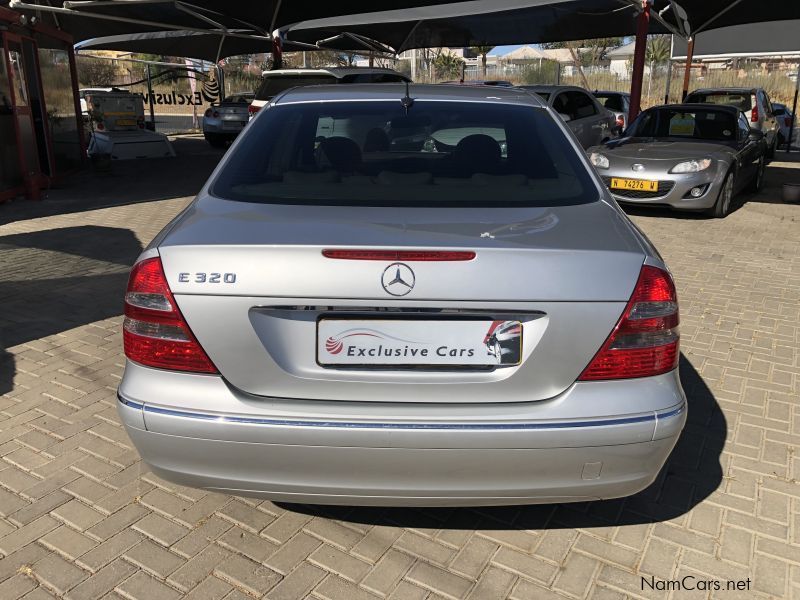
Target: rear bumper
[356,453]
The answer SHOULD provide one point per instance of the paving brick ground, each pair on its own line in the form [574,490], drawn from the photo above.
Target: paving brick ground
[81,517]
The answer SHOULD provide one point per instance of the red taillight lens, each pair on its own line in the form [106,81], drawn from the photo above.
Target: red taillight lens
[140,122]
[253,109]
[406,255]
[645,341]
[754,114]
[154,332]
[621,121]
[208,112]
[100,126]
[215,114]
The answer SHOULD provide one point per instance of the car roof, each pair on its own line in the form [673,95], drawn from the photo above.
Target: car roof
[736,90]
[550,89]
[337,72]
[396,91]
[690,106]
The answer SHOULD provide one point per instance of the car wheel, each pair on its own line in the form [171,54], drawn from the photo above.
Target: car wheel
[722,206]
[215,141]
[772,149]
[758,178]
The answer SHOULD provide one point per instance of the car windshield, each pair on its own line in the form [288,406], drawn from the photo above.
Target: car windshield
[238,99]
[272,85]
[712,125]
[611,101]
[373,153]
[740,100]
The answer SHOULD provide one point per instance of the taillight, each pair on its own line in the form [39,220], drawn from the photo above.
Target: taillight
[251,110]
[208,112]
[100,126]
[621,121]
[754,114]
[154,332]
[215,114]
[140,122]
[645,341]
[788,121]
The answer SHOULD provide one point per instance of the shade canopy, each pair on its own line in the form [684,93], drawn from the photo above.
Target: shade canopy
[211,45]
[404,24]
[508,21]
[774,38]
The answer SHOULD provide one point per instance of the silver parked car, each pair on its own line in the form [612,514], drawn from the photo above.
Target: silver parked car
[753,102]
[349,314]
[589,120]
[224,121]
[685,156]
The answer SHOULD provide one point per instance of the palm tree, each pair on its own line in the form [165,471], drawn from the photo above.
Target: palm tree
[482,51]
[658,49]
[448,66]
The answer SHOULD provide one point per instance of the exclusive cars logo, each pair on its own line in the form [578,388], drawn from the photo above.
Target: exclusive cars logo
[334,345]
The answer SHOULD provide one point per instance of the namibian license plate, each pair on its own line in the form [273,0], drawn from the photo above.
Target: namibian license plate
[125,122]
[639,185]
[232,124]
[418,342]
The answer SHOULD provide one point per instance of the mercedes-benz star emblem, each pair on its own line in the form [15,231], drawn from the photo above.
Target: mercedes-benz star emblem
[638,167]
[398,279]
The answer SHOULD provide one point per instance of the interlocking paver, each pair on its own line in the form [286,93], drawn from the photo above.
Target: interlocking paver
[82,518]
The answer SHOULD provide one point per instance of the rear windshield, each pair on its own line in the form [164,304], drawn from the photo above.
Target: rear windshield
[741,101]
[611,102]
[271,86]
[713,125]
[373,154]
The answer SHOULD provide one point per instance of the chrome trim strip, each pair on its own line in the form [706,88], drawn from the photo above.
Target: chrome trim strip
[405,426]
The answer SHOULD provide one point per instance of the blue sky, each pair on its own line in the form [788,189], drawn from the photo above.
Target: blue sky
[503,50]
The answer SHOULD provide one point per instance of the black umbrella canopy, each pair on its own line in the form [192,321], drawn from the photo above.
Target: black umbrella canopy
[506,21]
[86,19]
[211,45]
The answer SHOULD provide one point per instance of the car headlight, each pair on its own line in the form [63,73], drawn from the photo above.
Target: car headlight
[692,166]
[599,160]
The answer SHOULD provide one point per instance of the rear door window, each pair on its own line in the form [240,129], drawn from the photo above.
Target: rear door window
[581,105]
[372,153]
[742,101]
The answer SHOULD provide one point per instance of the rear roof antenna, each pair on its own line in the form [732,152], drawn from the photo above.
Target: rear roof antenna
[407,101]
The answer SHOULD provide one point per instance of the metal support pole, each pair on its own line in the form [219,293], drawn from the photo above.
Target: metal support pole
[221,83]
[277,51]
[794,112]
[150,98]
[642,25]
[687,71]
[669,81]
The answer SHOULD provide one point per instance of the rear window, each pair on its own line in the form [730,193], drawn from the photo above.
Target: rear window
[373,154]
[611,102]
[741,101]
[271,86]
[713,125]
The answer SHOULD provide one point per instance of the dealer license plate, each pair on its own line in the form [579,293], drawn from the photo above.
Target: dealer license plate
[639,185]
[418,342]
[232,124]
[125,122]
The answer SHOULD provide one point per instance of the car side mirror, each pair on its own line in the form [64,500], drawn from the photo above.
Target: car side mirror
[756,134]
[566,118]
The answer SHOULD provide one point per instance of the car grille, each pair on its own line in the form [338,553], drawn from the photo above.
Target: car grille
[664,188]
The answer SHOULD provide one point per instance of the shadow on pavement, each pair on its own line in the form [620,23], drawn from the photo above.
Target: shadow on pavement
[127,182]
[59,279]
[691,474]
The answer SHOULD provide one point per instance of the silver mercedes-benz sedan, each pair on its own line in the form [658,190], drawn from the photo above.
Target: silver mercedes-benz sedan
[403,295]
[684,156]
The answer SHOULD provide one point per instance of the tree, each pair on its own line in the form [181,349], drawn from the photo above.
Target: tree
[482,51]
[658,49]
[97,72]
[448,66]
[591,51]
